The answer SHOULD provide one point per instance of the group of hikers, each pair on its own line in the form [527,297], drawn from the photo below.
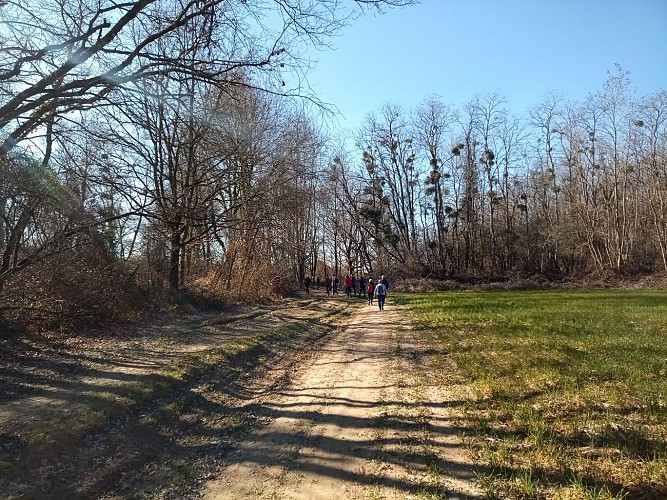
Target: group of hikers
[359,287]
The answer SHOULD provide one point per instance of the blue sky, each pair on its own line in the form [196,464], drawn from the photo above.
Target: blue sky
[522,49]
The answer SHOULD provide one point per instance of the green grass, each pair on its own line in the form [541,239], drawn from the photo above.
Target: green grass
[569,390]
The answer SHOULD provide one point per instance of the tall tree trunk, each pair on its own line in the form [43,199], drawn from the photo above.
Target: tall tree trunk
[174,261]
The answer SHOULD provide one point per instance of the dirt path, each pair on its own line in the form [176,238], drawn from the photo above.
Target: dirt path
[361,420]
[316,406]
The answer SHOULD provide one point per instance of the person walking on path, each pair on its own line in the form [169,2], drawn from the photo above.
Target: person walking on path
[334,283]
[385,281]
[370,289]
[362,287]
[380,293]
[306,283]
[349,283]
[327,284]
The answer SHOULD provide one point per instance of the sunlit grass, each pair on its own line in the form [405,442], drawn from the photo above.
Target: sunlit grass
[568,387]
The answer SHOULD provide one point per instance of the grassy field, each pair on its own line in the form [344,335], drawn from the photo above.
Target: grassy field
[568,394]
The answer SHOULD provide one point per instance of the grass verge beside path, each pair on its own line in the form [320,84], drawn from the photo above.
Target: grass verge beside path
[568,388]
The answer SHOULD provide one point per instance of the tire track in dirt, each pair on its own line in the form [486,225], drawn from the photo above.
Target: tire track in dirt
[362,420]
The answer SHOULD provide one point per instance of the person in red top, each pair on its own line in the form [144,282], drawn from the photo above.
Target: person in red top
[348,286]
[370,289]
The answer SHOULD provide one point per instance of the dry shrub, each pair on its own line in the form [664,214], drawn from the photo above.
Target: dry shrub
[424,285]
[261,281]
[458,283]
[73,288]
[611,279]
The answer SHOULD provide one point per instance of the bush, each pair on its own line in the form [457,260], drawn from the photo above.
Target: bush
[250,284]
[72,289]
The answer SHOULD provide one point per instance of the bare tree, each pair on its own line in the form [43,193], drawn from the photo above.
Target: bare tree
[650,160]
[396,177]
[68,57]
[62,61]
[434,123]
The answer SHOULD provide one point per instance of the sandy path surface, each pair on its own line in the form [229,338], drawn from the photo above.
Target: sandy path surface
[360,420]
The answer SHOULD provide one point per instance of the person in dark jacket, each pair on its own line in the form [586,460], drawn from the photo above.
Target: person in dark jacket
[362,287]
